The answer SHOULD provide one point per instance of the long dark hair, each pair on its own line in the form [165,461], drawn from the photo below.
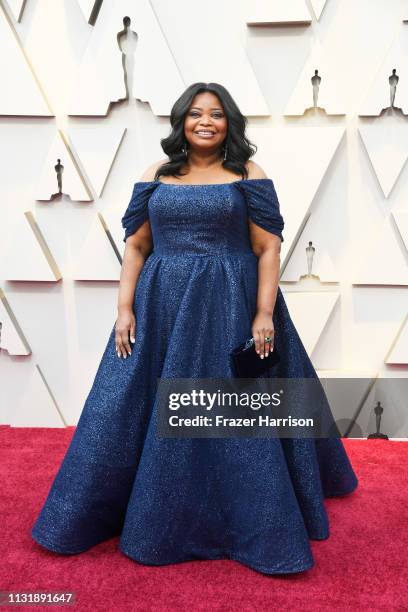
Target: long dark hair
[237,146]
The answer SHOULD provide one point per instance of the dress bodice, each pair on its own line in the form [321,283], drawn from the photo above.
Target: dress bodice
[206,219]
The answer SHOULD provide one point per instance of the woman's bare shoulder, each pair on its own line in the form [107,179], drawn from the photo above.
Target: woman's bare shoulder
[254,170]
[148,174]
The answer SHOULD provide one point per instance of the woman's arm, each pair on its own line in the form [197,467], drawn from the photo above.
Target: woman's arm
[267,248]
[137,248]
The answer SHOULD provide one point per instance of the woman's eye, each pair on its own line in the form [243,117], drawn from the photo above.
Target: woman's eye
[215,116]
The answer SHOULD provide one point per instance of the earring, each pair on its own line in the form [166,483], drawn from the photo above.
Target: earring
[184,148]
[225,152]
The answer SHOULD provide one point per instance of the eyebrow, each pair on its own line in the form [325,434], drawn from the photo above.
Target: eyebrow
[200,108]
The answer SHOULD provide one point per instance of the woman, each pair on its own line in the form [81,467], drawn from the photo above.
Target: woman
[200,274]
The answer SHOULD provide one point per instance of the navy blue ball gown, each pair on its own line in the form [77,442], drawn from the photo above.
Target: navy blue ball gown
[257,501]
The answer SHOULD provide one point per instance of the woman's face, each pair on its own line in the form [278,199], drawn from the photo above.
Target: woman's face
[205,123]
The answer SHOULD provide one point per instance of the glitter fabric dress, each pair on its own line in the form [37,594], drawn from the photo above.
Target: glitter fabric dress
[257,501]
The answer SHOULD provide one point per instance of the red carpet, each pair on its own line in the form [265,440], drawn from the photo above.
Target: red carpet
[362,566]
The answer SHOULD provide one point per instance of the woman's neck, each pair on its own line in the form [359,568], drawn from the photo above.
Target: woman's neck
[202,162]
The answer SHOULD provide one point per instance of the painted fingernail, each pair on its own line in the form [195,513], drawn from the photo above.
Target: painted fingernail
[132,339]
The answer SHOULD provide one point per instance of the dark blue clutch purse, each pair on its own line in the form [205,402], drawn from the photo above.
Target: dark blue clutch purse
[247,363]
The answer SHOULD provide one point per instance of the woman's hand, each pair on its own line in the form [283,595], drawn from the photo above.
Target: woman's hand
[125,326]
[262,327]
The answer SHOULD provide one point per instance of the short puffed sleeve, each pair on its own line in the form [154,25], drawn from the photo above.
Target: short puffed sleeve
[137,211]
[263,204]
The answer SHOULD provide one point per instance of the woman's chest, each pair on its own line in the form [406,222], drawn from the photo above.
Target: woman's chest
[198,205]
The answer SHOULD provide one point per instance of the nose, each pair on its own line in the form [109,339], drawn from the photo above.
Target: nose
[205,121]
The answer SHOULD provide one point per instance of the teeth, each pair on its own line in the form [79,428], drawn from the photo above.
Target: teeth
[202,132]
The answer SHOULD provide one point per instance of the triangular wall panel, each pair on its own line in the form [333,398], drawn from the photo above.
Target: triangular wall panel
[284,154]
[310,312]
[97,260]
[329,98]
[382,261]
[96,149]
[318,6]
[72,182]
[265,12]
[100,79]
[29,258]
[401,221]
[20,92]
[12,338]
[378,96]
[386,143]
[17,8]
[86,7]
[38,407]
[398,354]
[322,264]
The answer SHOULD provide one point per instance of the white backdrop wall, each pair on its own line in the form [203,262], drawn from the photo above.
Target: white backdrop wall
[340,174]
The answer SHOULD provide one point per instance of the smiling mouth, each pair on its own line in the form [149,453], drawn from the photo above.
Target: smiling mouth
[204,133]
